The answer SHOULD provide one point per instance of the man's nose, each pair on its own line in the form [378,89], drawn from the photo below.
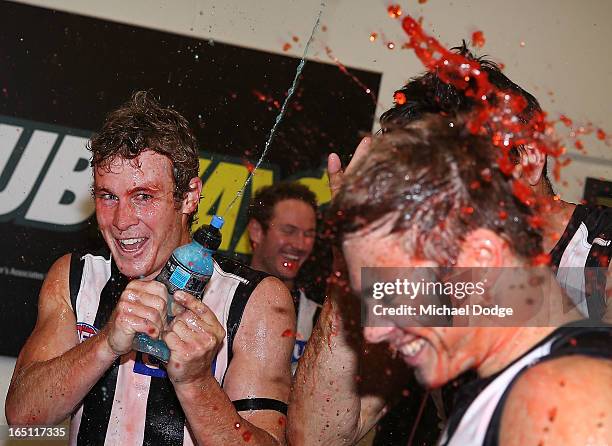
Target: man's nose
[124,217]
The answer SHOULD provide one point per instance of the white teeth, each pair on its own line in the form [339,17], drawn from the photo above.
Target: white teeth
[412,348]
[291,257]
[131,241]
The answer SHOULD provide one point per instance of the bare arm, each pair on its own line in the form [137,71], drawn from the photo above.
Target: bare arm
[260,368]
[341,386]
[53,372]
[562,401]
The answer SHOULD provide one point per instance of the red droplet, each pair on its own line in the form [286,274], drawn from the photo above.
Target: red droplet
[578,144]
[478,38]
[399,98]
[601,134]
[286,46]
[536,221]
[373,37]
[394,11]
[324,28]
[288,333]
[151,331]
[573,342]
[295,39]
[475,185]
[422,1]
[541,259]
[503,215]
[468,210]
[260,96]
[249,165]
[565,120]
[190,263]
[246,436]
[552,414]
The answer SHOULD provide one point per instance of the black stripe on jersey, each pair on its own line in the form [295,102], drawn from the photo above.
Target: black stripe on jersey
[165,419]
[74,279]
[556,253]
[260,404]
[241,297]
[98,402]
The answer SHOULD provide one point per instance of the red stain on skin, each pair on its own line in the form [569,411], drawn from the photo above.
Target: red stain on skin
[151,331]
[541,259]
[282,421]
[478,39]
[246,436]
[399,98]
[552,414]
[394,11]
[288,333]
[523,192]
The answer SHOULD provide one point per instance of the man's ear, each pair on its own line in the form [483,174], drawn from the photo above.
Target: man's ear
[532,163]
[482,248]
[256,232]
[192,197]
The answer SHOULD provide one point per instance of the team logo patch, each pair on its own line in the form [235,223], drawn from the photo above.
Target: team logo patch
[85,331]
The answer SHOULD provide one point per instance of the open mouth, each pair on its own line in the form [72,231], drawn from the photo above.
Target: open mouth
[290,261]
[412,348]
[131,245]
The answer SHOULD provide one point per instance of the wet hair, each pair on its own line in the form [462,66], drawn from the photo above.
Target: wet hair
[438,182]
[261,207]
[429,94]
[143,124]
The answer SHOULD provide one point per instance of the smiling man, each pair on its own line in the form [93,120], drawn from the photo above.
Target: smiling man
[411,203]
[224,382]
[282,230]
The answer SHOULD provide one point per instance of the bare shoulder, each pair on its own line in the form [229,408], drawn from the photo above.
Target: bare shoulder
[561,401]
[55,330]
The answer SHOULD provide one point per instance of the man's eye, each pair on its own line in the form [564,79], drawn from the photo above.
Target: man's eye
[287,230]
[144,197]
[106,197]
[310,234]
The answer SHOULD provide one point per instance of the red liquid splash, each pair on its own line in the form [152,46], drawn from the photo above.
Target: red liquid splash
[288,333]
[246,436]
[399,98]
[394,11]
[286,46]
[354,78]
[373,37]
[478,39]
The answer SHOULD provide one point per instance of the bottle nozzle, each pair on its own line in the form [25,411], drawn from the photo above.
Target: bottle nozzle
[217,222]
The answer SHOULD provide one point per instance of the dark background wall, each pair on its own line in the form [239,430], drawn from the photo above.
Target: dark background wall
[67,70]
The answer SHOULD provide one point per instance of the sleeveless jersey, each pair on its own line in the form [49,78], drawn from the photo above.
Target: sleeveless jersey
[581,258]
[307,313]
[479,404]
[134,401]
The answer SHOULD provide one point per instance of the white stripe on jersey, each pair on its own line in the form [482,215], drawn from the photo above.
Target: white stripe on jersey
[475,422]
[570,276]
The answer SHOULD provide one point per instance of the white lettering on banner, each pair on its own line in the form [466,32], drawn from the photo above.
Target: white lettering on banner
[28,168]
[62,200]
[64,196]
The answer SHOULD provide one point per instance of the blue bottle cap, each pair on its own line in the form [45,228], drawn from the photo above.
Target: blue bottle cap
[217,222]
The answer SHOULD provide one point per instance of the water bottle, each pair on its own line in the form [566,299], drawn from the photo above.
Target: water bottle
[189,268]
